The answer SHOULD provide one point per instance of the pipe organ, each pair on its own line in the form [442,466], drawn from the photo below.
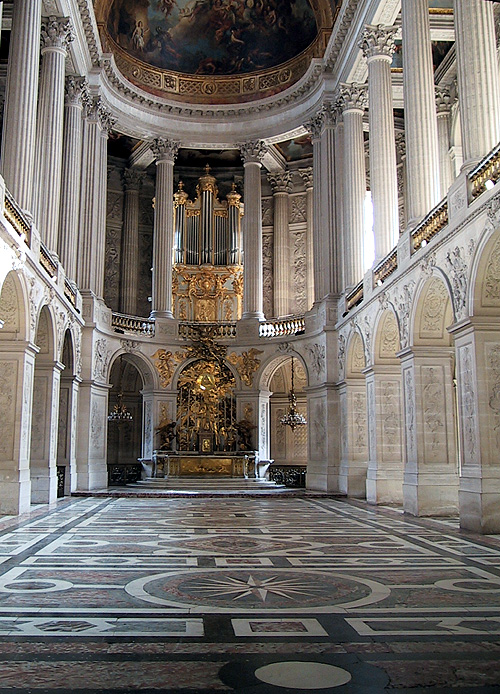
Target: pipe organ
[208,272]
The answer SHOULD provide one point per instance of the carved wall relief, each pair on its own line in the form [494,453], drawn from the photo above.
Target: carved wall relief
[372,419]
[9,308]
[299,289]
[298,208]
[491,285]
[148,429]
[434,414]
[493,364]
[63,419]
[389,336]
[112,268]
[317,354]
[467,403]
[8,388]
[267,268]
[102,355]
[434,307]
[39,415]
[267,212]
[359,424]
[97,417]
[318,430]
[391,418]
[409,395]
[356,356]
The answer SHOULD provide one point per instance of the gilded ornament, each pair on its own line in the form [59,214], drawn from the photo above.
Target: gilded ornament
[165,365]
[246,364]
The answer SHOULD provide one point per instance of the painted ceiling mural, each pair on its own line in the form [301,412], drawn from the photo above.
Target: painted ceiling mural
[212,37]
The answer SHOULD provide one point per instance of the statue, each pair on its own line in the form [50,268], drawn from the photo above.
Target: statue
[244,431]
[166,432]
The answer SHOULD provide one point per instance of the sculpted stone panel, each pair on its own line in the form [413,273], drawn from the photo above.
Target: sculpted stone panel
[298,209]
[97,417]
[267,212]
[318,430]
[391,418]
[493,365]
[434,412]
[491,286]
[435,301]
[112,268]
[359,423]
[467,403]
[8,388]
[389,338]
[280,433]
[63,424]
[9,308]
[38,416]
[372,419]
[357,355]
[299,291]
[409,395]
[267,267]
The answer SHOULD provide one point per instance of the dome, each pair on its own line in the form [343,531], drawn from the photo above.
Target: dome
[214,51]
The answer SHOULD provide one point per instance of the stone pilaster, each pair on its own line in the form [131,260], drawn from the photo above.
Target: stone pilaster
[92,237]
[281,184]
[76,96]
[478,81]
[378,47]
[315,127]
[56,37]
[420,111]
[443,107]
[21,96]
[132,179]
[165,151]
[252,154]
[307,178]
[352,101]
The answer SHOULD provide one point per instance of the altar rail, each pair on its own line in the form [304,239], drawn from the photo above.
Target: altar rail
[279,328]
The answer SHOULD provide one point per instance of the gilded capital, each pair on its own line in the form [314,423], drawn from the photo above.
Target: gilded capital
[253,152]
[352,97]
[76,91]
[378,42]
[165,149]
[281,181]
[56,32]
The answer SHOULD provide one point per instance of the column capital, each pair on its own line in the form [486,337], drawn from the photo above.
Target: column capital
[444,100]
[96,111]
[165,149]
[326,116]
[281,181]
[352,97]
[315,126]
[401,144]
[307,177]
[132,178]
[253,152]
[76,91]
[378,42]
[56,32]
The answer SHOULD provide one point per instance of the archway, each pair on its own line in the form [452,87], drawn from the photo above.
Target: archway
[125,425]
[66,436]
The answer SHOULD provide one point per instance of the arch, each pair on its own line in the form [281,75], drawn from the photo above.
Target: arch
[144,366]
[46,336]
[484,297]
[432,313]
[386,343]
[356,358]
[274,363]
[14,308]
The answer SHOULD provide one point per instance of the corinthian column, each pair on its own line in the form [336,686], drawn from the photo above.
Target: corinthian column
[378,47]
[165,152]
[443,106]
[21,95]
[130,245]
[252,154]
[281,184]
[92,238]
[307,178]
[76,95]
[477,71]
[352,101]
[420,111]
[56,36]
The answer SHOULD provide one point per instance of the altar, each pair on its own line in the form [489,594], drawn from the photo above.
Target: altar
[169,464]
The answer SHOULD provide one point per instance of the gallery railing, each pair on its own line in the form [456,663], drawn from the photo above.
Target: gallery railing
[132,324]
[280,328]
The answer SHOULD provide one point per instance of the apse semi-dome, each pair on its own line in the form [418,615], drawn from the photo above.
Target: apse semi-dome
[214,51]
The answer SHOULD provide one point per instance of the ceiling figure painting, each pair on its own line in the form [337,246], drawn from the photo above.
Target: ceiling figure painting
[212,37]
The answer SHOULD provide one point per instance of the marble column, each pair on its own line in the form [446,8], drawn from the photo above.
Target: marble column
[420,111]
[252,154]
[352,101]
[132,179]
[281,184]
[165,152]
[21,96]
[307,178]
[443,106]
[56,36]
[76,96]
[92,233]
[378,47]
[478,81]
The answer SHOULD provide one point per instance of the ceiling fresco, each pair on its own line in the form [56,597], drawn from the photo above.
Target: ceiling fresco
[212,37]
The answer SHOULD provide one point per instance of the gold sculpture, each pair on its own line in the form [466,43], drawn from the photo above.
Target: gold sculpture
[165,364]
[246,364]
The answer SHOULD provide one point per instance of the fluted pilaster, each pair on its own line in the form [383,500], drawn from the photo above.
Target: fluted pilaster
[56,36]
[353,101]
[420,111]
[443,107]
[281,184]
[21,95]
[478,82]
[76,94]
[165,151]
[92,237]
[378,47]
[132,179]
[307,178]
[252,154]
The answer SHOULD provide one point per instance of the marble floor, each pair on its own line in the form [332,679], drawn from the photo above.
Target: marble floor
[247,595]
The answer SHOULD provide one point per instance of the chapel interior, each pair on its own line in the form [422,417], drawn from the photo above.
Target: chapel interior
[251,247]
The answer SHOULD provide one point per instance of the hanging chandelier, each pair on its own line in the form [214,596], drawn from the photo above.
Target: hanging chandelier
[293,418]
[120,413]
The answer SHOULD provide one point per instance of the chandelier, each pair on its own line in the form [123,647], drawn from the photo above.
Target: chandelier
[120,413]
[293,418]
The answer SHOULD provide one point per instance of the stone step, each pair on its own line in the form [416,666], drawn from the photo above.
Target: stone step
[203,483]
